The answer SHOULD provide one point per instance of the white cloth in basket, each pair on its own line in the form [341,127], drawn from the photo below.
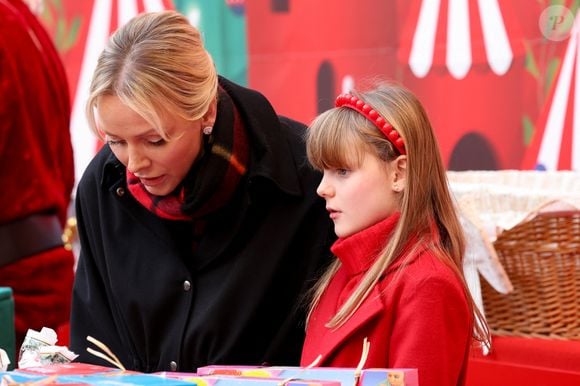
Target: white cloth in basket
[491,202]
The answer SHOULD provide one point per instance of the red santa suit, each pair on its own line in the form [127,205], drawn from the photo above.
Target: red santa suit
[37,174]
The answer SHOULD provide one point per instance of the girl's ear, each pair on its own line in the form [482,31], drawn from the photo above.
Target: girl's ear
[399,181]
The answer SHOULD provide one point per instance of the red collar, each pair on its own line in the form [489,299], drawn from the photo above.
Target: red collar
[359,251]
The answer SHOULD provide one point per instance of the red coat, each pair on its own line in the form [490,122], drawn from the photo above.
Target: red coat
[37,173]
[416,317]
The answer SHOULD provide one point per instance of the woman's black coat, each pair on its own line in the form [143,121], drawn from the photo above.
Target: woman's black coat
[237,300]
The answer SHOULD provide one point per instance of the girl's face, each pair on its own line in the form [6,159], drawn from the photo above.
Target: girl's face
[357,198]
[160,165]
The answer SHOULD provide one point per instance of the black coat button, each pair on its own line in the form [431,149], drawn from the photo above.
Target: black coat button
[186,285]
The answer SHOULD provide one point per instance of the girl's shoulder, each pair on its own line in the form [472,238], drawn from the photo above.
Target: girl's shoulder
[426,271]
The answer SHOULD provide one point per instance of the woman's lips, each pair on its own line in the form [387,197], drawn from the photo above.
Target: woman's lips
[151,181]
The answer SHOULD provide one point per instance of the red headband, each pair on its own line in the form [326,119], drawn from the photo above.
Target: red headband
[350,101]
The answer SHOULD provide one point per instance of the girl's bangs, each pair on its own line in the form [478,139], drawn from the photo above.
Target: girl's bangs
[334,140]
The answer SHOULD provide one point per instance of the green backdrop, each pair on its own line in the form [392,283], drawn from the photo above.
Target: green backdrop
[224,32]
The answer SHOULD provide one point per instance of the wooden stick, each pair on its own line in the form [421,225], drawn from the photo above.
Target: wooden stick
[111,358]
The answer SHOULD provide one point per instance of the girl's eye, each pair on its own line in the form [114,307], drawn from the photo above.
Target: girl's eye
[342,172]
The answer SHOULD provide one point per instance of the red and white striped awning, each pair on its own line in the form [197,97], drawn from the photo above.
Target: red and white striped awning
[456,34]
[556,142]
[106,17]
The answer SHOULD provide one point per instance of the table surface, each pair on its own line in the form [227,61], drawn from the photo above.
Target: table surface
[522,361]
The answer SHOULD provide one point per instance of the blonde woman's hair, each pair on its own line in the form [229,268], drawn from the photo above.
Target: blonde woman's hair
[341,136]
[157,65]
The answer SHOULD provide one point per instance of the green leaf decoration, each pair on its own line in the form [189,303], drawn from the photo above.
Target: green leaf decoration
[530,63]
[551,70]
[46,16]
[58,5]
[574,7]
[60,34]
[73,33]
[529,129]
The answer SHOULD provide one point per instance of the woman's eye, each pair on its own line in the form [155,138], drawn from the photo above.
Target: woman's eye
[114,142]
[158,142]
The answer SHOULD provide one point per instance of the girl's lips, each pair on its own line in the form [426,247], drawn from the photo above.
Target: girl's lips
[333,213]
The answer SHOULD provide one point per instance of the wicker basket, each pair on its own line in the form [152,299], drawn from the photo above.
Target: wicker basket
[542,260]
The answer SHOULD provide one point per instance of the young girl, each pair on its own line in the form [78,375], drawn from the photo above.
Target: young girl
[397,279]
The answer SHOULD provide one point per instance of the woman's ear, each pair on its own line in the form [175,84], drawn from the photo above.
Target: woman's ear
[399,181]
[209,117]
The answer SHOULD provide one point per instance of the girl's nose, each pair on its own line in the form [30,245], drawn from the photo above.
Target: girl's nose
[324,188]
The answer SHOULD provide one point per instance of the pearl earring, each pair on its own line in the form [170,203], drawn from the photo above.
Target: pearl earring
[207,130]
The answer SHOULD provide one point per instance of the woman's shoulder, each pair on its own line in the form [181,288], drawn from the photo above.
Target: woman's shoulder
[255,104]
[295,132]
[293,125]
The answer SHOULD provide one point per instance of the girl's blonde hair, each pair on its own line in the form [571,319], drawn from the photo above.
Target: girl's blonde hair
[157,65]
[341,136]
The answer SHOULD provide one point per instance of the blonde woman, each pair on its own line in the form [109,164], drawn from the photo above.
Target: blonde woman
[198,221]
[397,279]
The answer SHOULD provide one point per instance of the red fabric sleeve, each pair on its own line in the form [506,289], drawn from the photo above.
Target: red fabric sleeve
[36,147]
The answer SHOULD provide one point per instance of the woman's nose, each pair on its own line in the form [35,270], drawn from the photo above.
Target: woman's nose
[136,161]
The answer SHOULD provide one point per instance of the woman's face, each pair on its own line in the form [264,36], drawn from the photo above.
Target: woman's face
[160,165]
[359,197]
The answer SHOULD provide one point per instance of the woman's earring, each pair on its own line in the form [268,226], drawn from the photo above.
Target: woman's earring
[207,130]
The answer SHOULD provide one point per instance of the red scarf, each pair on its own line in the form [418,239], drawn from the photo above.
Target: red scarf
[212,179]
